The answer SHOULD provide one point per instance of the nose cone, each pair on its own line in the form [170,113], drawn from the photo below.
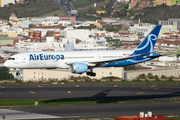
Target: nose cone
[6,64]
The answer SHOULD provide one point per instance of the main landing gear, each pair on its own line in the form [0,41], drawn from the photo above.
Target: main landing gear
[91,74]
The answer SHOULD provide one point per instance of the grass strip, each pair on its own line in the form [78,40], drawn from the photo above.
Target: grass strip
[103,83]
[69,102]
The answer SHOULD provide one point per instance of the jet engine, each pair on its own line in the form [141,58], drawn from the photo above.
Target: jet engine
[78,67]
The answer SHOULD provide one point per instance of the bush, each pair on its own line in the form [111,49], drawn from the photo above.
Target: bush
[19,81]
[170,79]
[163,77]
[64,80]
[138,80]
[123,80]
[4,74]
[142,76]
[150,76]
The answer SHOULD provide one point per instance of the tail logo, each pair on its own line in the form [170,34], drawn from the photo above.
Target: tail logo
[149,43]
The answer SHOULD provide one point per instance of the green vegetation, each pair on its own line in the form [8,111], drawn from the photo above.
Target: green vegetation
[4,74]
[30,9]
[173,117]
[111,29]
[8,38]
[154,14]
[130,67]
[109,39]
[69,102]
[87,27]
[83,3]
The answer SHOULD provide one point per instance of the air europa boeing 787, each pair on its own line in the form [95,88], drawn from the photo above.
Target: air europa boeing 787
[85,61]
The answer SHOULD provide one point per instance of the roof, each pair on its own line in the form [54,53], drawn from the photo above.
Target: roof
[168,42]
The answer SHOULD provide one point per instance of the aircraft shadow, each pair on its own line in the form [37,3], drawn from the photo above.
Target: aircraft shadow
[103,98]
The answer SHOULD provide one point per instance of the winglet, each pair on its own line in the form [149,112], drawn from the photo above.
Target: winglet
[70,46]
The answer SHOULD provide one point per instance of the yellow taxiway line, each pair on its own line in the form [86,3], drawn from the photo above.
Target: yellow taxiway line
[32,92]
[141,93]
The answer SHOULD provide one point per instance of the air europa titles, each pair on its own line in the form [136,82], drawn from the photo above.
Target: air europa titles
[45,57]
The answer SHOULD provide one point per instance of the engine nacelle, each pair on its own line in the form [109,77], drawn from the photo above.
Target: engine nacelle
[78,67]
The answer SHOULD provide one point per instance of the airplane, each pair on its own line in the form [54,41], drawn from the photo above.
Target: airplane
[85,61]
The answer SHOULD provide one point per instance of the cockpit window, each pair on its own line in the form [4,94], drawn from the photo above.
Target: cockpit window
[11,58]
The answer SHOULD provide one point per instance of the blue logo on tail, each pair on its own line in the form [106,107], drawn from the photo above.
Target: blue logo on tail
[148,44]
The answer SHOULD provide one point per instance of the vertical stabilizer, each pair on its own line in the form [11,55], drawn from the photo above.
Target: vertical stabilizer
[148,44]
[70,46]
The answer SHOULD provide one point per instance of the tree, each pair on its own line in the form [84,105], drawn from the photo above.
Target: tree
[142,76]
[55,14]
[4,74]
[163,76]
[9,24]
[150,76]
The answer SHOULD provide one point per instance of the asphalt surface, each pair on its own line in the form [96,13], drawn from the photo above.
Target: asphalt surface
[119,92]
[99,92]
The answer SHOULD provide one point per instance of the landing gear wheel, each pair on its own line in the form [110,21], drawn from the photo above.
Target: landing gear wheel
[17,73]
[91,74]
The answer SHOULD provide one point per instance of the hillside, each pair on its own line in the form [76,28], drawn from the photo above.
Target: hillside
[154,14]
[31,9]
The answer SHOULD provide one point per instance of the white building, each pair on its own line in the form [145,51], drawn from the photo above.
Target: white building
[142,30]
[6,2]
[77,33]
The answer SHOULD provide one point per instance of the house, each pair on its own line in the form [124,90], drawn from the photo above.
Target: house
[143,4]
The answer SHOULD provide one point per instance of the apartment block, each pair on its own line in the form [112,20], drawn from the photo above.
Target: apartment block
[6,2]
[170,21]
[170,2]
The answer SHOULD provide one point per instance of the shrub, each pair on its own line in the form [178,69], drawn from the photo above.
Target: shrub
[142,76]
[123,80]
[150,76]
[19,81]
[163,77]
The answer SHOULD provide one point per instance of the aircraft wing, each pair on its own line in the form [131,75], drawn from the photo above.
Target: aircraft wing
[116,59]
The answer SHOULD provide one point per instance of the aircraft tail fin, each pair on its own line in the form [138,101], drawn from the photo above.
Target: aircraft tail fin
[148,44]
[70,46]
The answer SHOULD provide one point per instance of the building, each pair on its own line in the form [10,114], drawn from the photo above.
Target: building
[6,2]
[14,21]
[61,74]
[19,1]
[170,21]
[35,35]
[143,4]
[100,11]
[133,74]
[133,3]
[72,19]
[170,2]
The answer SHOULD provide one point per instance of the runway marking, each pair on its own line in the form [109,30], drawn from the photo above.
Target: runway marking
[2,87]
[39,86]
[153,86]
[115,85]
[32,92]
[69,91]
[105,92]
[0,93]
[156,89]
[77,85]
[141,93]
[175,94]
[176,101]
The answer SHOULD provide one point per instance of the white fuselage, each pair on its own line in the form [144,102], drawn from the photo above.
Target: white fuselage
[28,60]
